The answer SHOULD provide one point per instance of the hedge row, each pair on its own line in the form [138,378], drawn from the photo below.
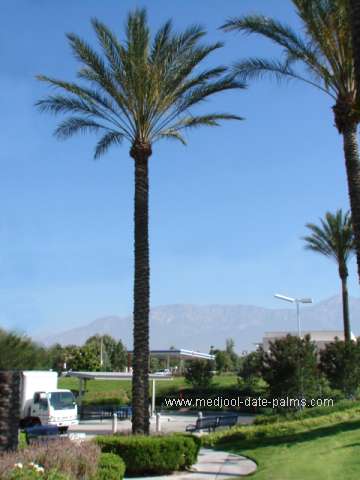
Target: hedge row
[341,406]
[247,434]
[152,455]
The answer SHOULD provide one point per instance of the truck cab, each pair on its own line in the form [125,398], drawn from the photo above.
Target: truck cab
[57,407]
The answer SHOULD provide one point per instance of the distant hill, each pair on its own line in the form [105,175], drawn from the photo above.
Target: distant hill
[198,327]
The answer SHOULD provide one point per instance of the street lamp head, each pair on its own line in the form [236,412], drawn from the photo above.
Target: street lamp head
[283,297]
[305,300]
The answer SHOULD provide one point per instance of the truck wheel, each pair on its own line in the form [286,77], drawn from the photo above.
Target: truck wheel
[63,430]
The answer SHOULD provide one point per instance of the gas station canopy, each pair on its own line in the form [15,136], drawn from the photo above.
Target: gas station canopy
[180,353]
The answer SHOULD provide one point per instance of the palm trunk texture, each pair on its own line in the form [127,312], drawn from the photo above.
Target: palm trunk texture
[9,410]
[140,385]
[352,162]
[345,305]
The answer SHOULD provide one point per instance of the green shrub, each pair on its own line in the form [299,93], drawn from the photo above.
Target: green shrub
[111,467]
[152,455]
[191,447]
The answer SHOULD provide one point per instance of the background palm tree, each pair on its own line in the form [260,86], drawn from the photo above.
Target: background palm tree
[355,32]
[321,57]
[140,91]
[334,238]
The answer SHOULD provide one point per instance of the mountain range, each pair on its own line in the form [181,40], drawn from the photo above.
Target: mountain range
[197,327]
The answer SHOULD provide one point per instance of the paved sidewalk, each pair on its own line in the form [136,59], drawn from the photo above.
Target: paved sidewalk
[213,465]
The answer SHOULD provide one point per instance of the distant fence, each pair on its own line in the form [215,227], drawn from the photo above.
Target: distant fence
[104,412]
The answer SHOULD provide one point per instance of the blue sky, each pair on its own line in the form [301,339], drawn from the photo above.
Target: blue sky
[226,212]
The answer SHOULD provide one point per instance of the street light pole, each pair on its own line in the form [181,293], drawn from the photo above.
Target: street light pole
[297,302]
[298,318]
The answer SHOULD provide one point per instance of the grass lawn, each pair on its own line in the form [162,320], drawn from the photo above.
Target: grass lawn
[323,448]
[331,452]
[120,391]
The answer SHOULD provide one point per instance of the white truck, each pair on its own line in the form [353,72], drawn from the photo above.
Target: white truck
[42,403]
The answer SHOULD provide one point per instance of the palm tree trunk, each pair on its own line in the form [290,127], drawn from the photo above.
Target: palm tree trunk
[140,386]
[9,410]
[345,305]
[355,31]
[352,162]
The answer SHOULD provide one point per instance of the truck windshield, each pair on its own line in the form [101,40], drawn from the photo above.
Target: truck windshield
[61,400]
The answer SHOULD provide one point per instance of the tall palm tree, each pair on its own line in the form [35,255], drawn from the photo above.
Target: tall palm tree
[355,32]
[334,238]
[320,57]
[142,91]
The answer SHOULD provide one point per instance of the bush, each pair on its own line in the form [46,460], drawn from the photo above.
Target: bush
[111,467]
[152,455]
[191,447]
[74,462]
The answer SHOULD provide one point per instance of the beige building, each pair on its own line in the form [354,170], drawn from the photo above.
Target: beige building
[320,337]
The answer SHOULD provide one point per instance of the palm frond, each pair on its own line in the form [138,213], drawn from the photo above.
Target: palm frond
[73,125]
[171,135]
[257,68]
[211,120]
[108,140]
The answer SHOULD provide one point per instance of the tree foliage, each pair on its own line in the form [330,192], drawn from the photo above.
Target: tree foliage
[251,365]
[290,368]
[340,362]
[199,373]
[19,352]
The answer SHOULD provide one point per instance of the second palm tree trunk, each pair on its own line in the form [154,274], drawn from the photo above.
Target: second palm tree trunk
[345,302]
[140,386]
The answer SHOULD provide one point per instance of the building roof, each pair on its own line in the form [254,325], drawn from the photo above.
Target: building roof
[180,353]
[114,375]
[316,335]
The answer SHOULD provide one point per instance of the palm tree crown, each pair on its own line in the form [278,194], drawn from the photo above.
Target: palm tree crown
[324,52]
[333,238]
[138,90]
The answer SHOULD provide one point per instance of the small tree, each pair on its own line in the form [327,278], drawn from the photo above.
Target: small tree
[199,373]
[250,368]
[230,350]
[223,362]
[113,352]
[290,368]
[340,362]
